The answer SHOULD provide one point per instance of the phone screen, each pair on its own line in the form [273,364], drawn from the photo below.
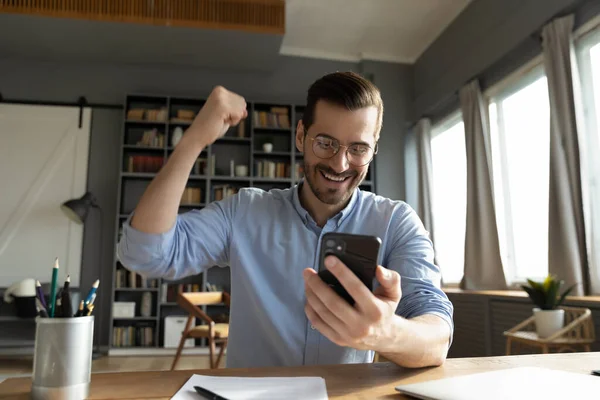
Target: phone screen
[360,253]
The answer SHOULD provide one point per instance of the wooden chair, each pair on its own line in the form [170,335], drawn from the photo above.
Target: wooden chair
[577,334]
[216,334]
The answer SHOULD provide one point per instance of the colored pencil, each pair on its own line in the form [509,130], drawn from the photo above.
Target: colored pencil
[53,288]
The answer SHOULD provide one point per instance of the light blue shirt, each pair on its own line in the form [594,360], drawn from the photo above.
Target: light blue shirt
[267,239]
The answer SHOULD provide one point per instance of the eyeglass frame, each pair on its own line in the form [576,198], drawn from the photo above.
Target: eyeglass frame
[346,152]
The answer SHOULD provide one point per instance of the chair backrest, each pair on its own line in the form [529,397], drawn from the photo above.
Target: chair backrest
[191,301]
[578,324]
[204,298]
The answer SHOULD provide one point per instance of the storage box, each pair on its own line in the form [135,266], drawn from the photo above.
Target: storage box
[174,326]
[123,309]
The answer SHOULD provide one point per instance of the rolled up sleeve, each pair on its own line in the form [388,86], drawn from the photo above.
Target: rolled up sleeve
[411,255]
[198,240]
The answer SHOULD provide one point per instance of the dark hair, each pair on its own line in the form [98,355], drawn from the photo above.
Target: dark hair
[346,89]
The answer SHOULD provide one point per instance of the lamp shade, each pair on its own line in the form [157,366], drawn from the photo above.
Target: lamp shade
[77,209]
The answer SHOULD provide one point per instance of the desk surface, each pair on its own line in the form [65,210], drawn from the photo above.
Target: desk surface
[351,381]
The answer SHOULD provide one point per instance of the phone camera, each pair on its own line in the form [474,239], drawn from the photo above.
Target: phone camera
[331,243]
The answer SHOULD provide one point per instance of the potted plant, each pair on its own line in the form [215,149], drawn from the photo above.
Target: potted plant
[545,296]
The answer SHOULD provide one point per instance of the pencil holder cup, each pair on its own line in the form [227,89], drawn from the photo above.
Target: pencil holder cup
[62,364]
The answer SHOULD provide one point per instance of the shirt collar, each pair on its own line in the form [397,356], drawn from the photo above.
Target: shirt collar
[340,217]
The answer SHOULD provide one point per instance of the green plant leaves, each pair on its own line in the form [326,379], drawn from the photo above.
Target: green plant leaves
[551,294]
[545,295]
[536,296]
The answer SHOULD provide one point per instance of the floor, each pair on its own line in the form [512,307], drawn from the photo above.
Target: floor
[12,366]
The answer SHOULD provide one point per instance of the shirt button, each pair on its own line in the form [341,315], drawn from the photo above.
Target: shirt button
[312,327]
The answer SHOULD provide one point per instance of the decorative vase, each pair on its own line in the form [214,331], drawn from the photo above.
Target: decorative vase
[177,135]
[268,147]
[548,322]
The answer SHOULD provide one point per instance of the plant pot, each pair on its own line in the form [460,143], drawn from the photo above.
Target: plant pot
[547,322]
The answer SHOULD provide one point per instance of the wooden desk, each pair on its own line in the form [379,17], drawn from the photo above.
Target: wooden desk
[351,381]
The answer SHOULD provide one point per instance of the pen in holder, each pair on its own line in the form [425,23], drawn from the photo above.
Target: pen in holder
[62,363]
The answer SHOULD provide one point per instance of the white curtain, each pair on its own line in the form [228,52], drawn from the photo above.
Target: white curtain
[483,264]
[567,253]
[425,210]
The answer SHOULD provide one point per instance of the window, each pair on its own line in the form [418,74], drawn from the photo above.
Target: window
[520,141]
[449,203]
[589,65]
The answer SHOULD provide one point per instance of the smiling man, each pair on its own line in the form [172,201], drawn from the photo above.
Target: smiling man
[282,313]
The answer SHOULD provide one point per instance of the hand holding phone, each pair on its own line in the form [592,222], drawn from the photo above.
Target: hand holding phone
[360,253]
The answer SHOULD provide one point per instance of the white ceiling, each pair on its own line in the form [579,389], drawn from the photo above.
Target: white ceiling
[352,30]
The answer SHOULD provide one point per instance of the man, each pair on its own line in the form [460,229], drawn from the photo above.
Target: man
[282,313]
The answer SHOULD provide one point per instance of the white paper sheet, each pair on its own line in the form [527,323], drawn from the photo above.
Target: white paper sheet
[237,388]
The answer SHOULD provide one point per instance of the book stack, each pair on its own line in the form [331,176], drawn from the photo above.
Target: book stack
[148,164]
[200,166]
[152,138]
[129,279]
[191,195]
[277,117]
[221,192]
[133,336]
[271,169]
[159,115]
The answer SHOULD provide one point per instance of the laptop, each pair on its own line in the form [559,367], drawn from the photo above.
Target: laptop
[522,383]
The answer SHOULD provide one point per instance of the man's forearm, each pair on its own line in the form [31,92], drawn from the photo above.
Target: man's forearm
[157,210]
[418,342]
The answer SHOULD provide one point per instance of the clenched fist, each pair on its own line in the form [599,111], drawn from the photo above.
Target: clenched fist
[222,110]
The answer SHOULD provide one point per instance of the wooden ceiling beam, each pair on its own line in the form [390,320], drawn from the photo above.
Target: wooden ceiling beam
[261,16]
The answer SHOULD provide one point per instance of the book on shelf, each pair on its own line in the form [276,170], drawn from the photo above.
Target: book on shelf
[152,138]
[125,279]
[271,169]
[145,164]
[200,166]
[142,114]
[133,336]
[220,192]
[277,117]
[184,115]
[169,291]
[191,195]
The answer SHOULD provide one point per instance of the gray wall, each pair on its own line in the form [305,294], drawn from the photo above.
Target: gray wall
[484,33]
[488,40]
[395,82]
[109,83]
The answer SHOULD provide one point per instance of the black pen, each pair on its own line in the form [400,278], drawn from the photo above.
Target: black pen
[67,308]
[208,394]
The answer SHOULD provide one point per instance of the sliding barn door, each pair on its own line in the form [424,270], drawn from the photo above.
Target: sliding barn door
[43,162]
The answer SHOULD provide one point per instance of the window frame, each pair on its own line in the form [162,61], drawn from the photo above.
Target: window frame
[587,38]
[513,83]
[437,128]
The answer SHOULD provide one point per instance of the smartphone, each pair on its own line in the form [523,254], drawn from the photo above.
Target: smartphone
[360,253]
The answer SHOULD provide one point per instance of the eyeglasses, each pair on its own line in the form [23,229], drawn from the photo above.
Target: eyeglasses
[357,154]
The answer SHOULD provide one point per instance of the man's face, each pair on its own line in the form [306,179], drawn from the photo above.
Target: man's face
[333,180]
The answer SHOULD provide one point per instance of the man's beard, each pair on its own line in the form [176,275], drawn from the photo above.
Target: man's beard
[329,195]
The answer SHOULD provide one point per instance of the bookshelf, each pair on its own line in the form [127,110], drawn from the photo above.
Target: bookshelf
[260,152]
